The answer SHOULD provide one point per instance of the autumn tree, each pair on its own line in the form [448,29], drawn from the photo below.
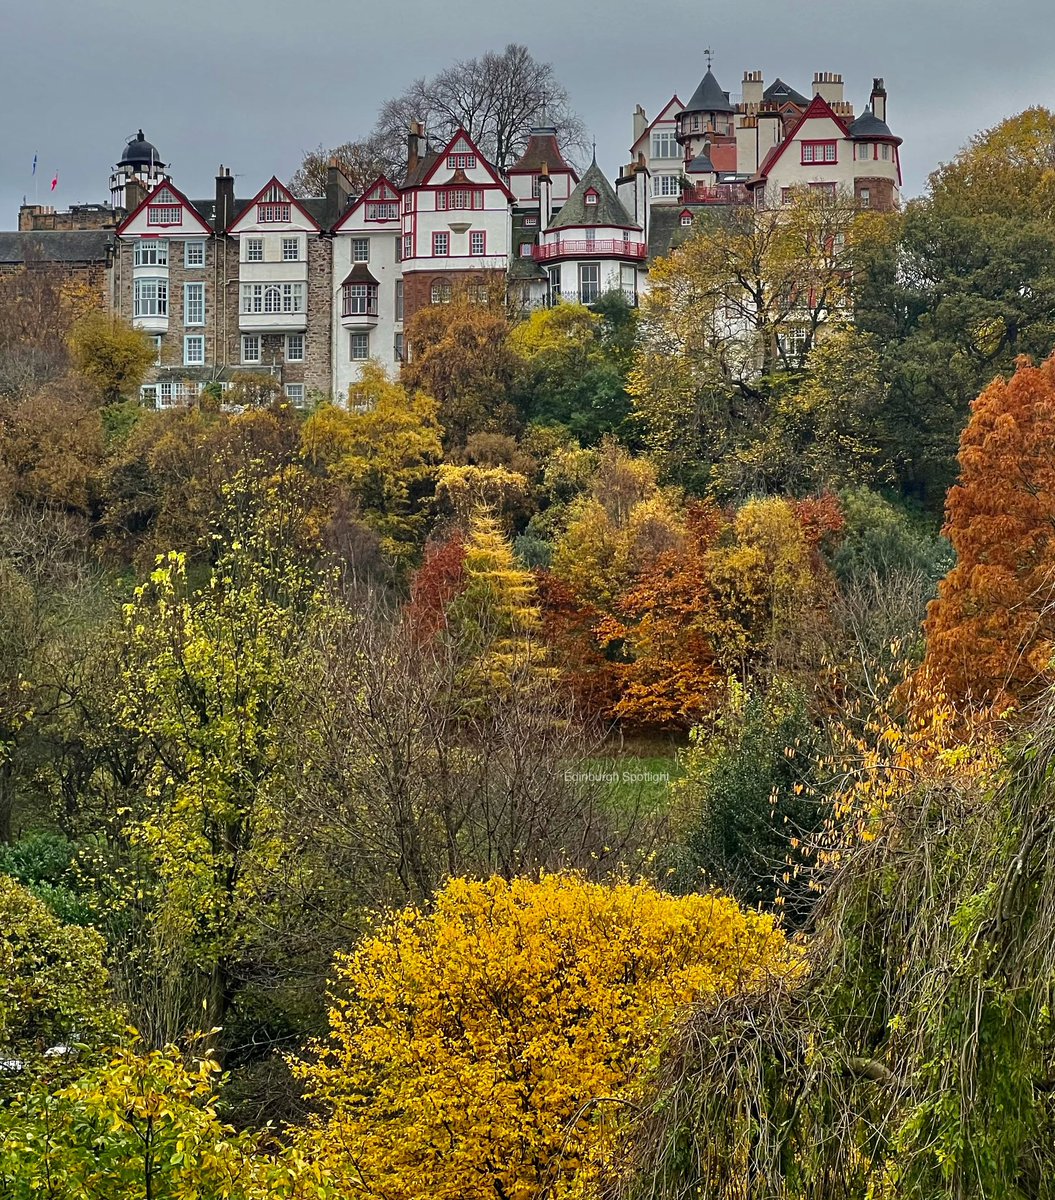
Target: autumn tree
[54,987]
[573,372]
[145,1123]
[731,317]
[494,618]
[111,354]
[496,98]
[989,633]
[459,354]
[208,689]
[384,448]
[536,1005]
[966,285]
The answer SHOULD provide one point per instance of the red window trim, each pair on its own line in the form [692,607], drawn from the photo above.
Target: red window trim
[822,161]
[482,234]
[438,233]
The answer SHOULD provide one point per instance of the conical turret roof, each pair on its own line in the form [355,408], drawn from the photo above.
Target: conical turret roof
[607,211]
[709,97]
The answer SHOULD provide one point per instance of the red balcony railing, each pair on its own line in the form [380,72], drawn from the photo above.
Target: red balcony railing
[609,248]
[718,193]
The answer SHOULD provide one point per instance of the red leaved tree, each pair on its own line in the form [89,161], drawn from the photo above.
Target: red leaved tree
[991,631]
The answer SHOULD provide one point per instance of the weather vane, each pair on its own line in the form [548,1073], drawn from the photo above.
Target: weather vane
[709,53]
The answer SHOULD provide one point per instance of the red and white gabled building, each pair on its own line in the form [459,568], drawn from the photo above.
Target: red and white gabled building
[284,298]
[165,283]
[367,291]
[592,246]
[823,150]
[456,221]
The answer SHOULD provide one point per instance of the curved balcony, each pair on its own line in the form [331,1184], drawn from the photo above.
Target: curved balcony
[608,248]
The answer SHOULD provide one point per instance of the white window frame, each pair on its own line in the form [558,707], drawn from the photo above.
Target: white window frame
[159,256]
[295,394]
[440,237]
[399,299]
[294,339]
[250,340]
[358,341]
[165,214]
[665,144]
[291,249]
[360,249]
[198,340]
[150,297]
[254,249]
[478,237]
[272,297]
[194,254]
[594,269]
[665,184]
[194,304]
[397,348]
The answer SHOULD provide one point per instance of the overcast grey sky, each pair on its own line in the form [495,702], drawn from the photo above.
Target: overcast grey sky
[252,83]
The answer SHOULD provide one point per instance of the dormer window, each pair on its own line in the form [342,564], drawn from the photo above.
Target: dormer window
[686,218]
[590,197]
[461,162]
[274,207]
[382,211]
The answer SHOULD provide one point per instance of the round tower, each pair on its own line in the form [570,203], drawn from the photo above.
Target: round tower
[140,162]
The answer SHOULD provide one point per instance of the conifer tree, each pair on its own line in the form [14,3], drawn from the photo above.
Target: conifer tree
[495,620]
[991,631]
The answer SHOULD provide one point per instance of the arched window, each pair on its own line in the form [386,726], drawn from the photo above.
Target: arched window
[441,291]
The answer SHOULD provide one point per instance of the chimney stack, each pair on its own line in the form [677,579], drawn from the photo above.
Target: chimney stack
[338,191]
[135,194]
[640,123]
[877,100]
[828,86]
[224,211]
[415,146]
[751,90]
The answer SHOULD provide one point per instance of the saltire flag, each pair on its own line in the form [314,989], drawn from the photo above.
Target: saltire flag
[34,164]
[55,181]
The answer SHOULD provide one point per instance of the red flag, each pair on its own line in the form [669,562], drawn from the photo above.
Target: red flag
[55,181]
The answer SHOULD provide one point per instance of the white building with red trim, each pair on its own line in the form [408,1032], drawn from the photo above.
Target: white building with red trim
[367,296]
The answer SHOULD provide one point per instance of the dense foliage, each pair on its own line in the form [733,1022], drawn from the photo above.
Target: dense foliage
[541,774]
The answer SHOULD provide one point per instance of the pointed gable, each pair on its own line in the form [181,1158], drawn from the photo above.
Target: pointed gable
[593,202]
[668,112]
[461,154]
[165,212]
[274,207]
[541,151]
[819,122]
[378,203]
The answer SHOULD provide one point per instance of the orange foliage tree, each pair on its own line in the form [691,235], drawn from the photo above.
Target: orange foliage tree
[990,632]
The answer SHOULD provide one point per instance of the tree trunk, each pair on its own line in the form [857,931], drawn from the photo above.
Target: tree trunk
[7,801]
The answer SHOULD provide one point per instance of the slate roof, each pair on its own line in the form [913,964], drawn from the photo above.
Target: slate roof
[700,164]
[607,211]
[315,206]
[360,273]
[665,230]
[59,246]
[868,125]
[779,92]
[542,149]
[425,165]
[709,97]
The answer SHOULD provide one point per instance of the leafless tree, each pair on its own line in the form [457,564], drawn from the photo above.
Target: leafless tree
[361,162]
[496,98]
[413,783]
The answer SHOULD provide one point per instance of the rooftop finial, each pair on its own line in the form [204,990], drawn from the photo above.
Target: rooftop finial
[709,55]
[594,144]
[545,101]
